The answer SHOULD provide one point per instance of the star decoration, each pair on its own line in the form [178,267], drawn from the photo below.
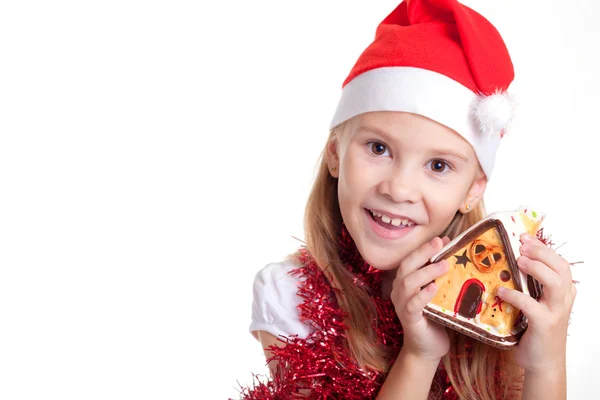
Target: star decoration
[463,259]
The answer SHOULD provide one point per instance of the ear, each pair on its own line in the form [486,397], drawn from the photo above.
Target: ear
[332,156]
[475,193]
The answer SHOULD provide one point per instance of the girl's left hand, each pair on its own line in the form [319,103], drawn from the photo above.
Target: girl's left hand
[542,347]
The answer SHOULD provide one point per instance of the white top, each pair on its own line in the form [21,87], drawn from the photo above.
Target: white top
[275,302]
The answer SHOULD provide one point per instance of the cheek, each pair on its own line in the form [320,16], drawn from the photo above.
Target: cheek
[348,191]
[442,203]
[355,176]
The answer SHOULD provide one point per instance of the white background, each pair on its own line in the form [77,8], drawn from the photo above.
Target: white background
[155,155]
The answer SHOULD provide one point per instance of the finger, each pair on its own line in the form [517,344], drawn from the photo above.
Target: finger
[423,276]
[445,240]
[531,239]
[520,300]
[549,257]
[414,307]
[554,285]
[419,257]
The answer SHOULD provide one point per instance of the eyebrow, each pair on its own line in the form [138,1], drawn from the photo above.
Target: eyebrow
[437,152]
[378,131]
[447,152]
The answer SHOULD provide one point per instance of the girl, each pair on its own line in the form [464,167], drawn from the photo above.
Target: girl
[404,170]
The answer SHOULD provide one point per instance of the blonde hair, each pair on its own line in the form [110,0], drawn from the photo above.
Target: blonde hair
[474,377]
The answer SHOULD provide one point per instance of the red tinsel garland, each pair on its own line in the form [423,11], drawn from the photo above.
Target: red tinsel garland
[321,363]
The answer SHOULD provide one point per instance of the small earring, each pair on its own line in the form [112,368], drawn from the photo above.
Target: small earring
[333,169]
[468,207]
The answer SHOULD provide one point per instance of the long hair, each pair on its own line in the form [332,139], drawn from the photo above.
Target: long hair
[473,377]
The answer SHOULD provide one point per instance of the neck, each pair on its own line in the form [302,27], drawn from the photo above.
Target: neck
[387,282]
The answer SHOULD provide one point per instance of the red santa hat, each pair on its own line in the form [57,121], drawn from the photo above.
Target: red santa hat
[442,60]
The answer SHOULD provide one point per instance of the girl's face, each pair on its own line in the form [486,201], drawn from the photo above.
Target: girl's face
[401,179]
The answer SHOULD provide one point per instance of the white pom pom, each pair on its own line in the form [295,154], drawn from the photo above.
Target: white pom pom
[493,113]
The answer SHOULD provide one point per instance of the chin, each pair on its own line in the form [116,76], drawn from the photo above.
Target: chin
[382,261]
[388,258]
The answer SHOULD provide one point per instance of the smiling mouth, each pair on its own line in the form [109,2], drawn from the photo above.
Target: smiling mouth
[388,222]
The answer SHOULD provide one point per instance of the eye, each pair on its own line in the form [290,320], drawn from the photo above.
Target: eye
[439,166]
[377,148]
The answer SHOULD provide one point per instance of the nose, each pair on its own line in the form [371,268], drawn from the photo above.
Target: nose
[401,185]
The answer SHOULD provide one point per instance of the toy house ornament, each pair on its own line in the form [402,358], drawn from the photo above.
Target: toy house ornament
[482,259]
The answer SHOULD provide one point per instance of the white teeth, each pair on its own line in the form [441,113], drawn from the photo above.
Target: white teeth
[395,222]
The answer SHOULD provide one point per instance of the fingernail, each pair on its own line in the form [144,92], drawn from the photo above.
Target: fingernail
[501,291]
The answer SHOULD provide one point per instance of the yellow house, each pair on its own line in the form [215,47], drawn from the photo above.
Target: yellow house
[481,260]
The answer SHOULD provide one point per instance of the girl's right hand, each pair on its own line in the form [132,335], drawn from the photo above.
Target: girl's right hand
[412,290]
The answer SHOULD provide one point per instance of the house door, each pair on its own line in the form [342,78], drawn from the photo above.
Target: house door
[468,303]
